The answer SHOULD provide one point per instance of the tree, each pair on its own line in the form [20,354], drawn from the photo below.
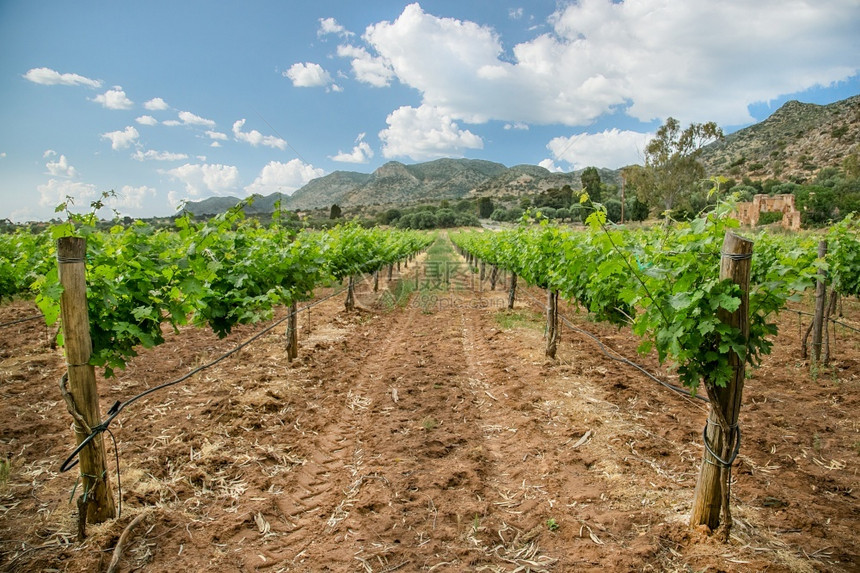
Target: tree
[389,216]
[591,183]
[335,213]
[555,198]
[636,210]
[613,210]
[672,165]
[485,207]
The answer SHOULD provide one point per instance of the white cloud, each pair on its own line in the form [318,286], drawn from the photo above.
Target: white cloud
[283,177]
[330,26]
[610,149]
[204,180]
[550,165]
[361,153]
[130,197]
[114,98]
[156,104]
[49,77]
[517,125]
[158,156]
[256,138]
[693,59]
[515,13]
[55,192]
[188,118]
[122,139]
[217,135]
[215,144]
[49,153]
[308,75]
[60,167]
[3,155]
[146,120]
[367,68]
[425,133]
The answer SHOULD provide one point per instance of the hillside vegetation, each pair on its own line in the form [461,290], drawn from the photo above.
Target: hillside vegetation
[801,148]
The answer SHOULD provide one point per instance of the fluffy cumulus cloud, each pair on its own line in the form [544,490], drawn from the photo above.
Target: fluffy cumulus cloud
[188,118]
[283,177]
[550,165]
[114,98]
[308,75]
[696,60]
[60,167]
[130,197]
[49,77]
[612,149]
[122,139]
[330,26]
[256,138]
[152,155]
[361,152]
[55,192]
[369,69]
[425,133]
[156,104]
[205,180]
[146,120]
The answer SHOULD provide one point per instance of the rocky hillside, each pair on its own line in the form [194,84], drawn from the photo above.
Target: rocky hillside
[396,183]
[532,179]
[795,142]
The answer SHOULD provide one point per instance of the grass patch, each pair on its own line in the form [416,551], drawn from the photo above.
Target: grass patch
[5,470]
[508,319]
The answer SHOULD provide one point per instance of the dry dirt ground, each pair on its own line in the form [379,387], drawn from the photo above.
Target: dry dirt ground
[430,435]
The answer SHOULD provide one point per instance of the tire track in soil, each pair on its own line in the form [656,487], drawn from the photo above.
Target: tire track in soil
[313,499]
[412,464]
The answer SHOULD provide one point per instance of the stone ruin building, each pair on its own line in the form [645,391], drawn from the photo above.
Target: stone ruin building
[748,213]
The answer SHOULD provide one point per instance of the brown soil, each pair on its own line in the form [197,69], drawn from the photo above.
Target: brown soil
[433,436]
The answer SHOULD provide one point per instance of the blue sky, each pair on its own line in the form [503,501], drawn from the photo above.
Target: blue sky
[165,101]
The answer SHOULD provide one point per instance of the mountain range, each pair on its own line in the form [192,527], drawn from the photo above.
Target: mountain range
[795,142]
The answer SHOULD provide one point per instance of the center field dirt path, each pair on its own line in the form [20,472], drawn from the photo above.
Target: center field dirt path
[425,434]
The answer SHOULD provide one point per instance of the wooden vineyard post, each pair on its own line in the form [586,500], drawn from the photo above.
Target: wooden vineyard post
[552,332]
[494,275]
[390,271]
[483,275]
[512,293]
[376,281]
[293,333]
[820,303]
[97,499]
[721,432]
[350,294]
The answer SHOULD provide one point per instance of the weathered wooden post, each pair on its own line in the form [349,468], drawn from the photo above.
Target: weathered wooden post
[820,302]
[721,434]
[494,274]
[376,281]
[552,332]
[97,499]
[293,333]
[350,294]
[512,293]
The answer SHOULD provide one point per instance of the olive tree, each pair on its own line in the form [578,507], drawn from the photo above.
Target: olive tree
[672,167]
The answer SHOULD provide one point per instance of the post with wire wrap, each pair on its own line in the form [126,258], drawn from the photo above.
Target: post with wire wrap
[721,433]
[97,498]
